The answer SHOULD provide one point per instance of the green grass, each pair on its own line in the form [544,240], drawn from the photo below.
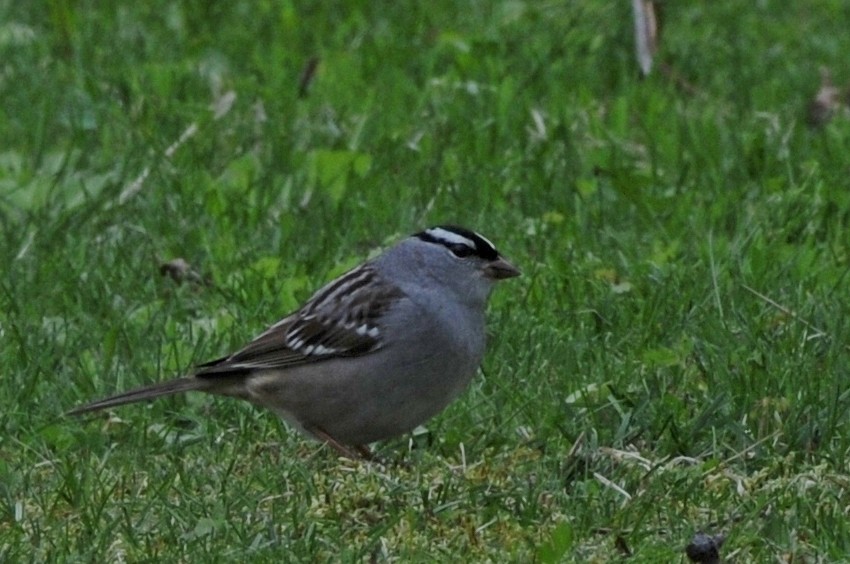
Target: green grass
[673,360]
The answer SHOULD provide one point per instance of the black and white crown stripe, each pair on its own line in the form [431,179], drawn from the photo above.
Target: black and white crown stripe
[452,236]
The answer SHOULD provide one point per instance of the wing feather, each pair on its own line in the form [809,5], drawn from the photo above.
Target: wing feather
[342,319]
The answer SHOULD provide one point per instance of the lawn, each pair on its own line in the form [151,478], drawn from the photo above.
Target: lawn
[673,361]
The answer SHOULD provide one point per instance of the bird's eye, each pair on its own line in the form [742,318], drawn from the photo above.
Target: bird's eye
[460,250]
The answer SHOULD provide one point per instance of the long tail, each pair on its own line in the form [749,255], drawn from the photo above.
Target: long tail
[167,388]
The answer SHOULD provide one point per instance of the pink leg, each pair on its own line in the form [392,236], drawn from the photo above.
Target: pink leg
[355,452]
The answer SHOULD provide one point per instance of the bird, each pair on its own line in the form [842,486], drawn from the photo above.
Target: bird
[371,355]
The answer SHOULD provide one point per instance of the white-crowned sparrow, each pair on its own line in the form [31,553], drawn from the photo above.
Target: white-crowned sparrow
[371,355]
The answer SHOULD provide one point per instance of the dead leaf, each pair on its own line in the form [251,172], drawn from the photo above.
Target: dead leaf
[826,102]
[646,33]
[181,271]
[307,76]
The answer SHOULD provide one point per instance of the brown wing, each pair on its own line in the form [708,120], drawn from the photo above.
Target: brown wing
[340,320]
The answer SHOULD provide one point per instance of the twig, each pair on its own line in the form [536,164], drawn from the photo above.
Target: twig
[220,107]
[714,275]
[738,455]
[788,312]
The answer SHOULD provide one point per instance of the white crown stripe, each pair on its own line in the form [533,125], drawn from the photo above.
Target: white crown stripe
[450,237]
[486,240]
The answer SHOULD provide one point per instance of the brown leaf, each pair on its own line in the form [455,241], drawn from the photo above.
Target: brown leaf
[307,76]
[181,271]
[826,102]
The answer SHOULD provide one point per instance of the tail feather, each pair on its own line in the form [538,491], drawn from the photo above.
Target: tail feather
[167,388]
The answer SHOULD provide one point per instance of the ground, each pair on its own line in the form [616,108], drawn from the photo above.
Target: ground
[674,359]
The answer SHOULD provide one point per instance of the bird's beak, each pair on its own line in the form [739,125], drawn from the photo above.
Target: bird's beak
[500,269]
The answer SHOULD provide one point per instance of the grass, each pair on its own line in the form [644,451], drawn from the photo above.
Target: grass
[673,361]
